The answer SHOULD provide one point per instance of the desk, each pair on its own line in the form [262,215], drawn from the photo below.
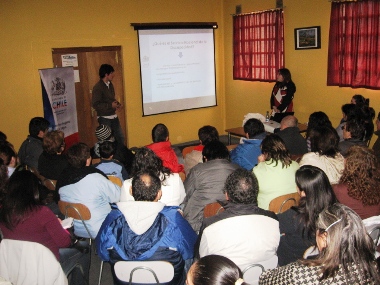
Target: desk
[239,131]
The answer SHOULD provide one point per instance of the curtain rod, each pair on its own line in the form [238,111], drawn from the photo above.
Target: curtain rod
[256,12]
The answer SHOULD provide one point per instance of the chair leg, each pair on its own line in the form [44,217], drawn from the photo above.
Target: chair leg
[100,272]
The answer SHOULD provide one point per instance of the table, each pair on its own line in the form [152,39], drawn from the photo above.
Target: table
[239,131]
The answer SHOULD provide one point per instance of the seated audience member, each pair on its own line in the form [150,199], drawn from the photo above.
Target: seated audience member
[8,155]
[124,155]
[359,186]
[325,154]
[31,148]
[51,162]
[289,132]
[364,112]
[243,232]
[145,229]
[358,99]
[214,270]
[353,134]
[346,254]
[162,148]
[22,217]
[3,179]
[348,110]
[205,182]
[246,153]
[316,120]
[376,145]
[206,134]
[173,191]
[297,225]
[82,183]
[108,165]
[275,172]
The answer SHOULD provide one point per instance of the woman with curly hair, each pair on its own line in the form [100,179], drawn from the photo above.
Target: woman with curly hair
[173,191]
[275,171]
[359,186]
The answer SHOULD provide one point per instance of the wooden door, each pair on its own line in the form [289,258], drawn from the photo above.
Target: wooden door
[89,61]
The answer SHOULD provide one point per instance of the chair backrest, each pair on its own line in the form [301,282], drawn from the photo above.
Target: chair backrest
[95,160]
[372,225]
[116,180]
[182,176]
[296,157]
[187,150]
[284,202]
[76,211]
[147,272]
[25,262]
[49,183]
[232,146]
[375,234]
[212,209]
[252,272]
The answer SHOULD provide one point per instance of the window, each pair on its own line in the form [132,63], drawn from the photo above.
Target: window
[258,45]
[354,44]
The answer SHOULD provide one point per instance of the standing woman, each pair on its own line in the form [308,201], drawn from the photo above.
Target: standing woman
[281,100]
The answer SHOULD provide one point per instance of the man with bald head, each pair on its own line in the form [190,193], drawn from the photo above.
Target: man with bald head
[290,134]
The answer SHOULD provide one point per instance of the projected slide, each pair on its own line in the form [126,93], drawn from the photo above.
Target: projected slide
[177,69]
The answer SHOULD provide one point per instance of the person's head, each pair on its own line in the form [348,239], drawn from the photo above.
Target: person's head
[378,121]
[361,175]
[353,129]
[3,137]
[284,75]
[358,99]
[22,197]
[316,120]
[348,110]
[273,148]
[324,140]
[215,150]
[214,270]
[343,242]
[160,133]
[253,127]
[242,187]
[78,155]
[207,134]
[146,159]
[289,122]
[3,177]
[38,126]
[8,155]
[105,70]
[107,149]
[104,133]
[54,142]
[146,186]
[316,194]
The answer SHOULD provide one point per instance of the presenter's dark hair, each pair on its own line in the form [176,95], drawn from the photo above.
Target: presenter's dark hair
[286,74]
[159,133]
[215,150]
[253,127]
[38,124]
[105,69]
[215,270]
[242,187]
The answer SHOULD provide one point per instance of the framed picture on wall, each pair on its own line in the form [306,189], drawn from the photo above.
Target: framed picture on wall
[307,38]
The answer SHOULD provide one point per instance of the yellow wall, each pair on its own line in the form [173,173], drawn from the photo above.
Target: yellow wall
[29,29]
[308,67]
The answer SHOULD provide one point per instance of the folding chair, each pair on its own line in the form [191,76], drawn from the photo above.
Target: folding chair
[284,202]
[252,272]
[212,209]
[116,180]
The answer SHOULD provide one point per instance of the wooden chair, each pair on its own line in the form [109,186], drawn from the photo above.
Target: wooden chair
[296,157]
[182,175]
[95,160]
[252,272]
[284,202]
[49,183]
[187,150]
[212,209]
[232,146]
[116,180]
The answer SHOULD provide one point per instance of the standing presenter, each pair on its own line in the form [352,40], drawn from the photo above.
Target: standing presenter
[105,104]
[281,100]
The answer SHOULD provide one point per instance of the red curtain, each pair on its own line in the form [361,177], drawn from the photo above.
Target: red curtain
[354,44]
[258,45]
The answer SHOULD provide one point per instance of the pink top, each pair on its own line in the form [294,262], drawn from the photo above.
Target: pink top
[41,226]
[364,212]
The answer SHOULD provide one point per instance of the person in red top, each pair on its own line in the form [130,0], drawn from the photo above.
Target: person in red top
[163,149]
[22,217]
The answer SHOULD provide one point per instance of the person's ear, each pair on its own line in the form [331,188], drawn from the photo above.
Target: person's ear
[13,162]
[88,161]
[227,198]
[167,138]
[159,195]
[130,190]
[247,135]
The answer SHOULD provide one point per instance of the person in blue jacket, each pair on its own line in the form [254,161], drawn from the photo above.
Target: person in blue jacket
[146,229]
[248,151]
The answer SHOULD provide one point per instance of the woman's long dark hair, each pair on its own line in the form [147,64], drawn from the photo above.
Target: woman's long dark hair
[147,160]
[22,198]
[319,195]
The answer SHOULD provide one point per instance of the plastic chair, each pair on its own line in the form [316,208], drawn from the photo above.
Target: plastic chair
[212,209]
[116,180]
[284,202]
[25,262]
[252,272]
[80,212]
[147,272]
